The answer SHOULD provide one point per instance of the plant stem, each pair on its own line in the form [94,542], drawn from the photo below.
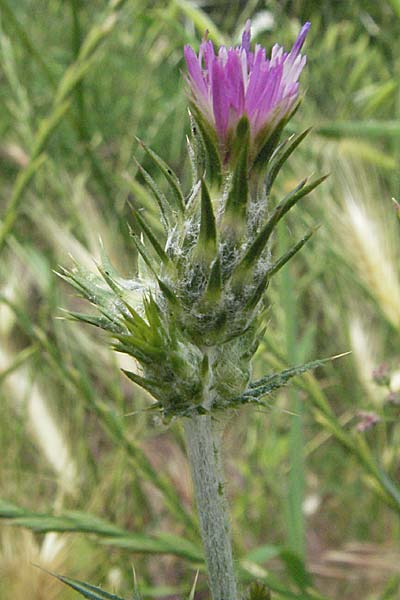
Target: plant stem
[203,439]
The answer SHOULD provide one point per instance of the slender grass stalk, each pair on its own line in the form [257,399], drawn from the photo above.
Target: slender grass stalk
[61,103]
[295,497]
[203,438]
[82,121]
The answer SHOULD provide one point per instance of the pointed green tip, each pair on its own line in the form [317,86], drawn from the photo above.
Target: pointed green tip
[243,127]
[208,231]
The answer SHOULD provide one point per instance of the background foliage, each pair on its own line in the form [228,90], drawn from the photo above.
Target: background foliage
[93,490]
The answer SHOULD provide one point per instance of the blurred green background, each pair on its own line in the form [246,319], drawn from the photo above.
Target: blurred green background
[88,491]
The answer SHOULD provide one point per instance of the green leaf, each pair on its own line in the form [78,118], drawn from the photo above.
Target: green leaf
[85,589]
[296,569]
[101,322]
[267,140]
[196,151]
[153,313]
[210,142]
[131,317]
[258,293]
[263,553]
[290,253]
[278,159]
[257,247]
[272,382]
[8,510]
[166,217]
[142,345]
[168,174]
[167,291]
[149,385]
[152,239]
[161,544]
[109,534]
[142,251]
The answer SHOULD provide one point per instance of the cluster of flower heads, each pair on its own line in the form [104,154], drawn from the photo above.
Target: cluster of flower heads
[237,82]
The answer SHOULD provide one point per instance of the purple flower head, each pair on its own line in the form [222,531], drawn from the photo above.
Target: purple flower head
[236,82]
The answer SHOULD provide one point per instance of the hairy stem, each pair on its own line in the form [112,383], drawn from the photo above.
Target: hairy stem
[203,440]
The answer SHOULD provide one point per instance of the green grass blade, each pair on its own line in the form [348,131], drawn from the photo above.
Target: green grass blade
[108,533]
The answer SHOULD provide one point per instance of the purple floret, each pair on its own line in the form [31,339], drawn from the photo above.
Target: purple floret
[237,82]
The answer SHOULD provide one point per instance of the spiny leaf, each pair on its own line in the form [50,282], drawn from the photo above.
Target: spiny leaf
[257,247]
[167,291]
[85,589]
[140,247]
[196,150]
[101,322]
[152,239]
[214,167]
[268,139]
[290,253]
[272,382]
[148,349]
[168,174]
[106,263]
[158,195]
[287,149]
[149,385]
[258,293]
[153,313]
[131,317]
[132,351]
[79,283]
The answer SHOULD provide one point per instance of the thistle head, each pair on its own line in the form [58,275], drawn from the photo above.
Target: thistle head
[227,85]
[194,329]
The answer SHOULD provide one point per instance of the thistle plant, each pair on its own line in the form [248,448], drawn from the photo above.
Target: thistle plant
[192,316]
